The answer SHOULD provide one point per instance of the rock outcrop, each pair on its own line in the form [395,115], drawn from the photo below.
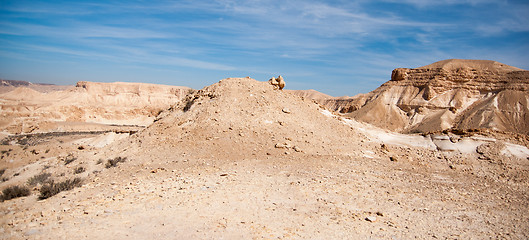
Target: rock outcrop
[278,83]
[454,93]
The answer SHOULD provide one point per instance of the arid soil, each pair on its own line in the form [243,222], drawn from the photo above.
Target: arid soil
[240,160]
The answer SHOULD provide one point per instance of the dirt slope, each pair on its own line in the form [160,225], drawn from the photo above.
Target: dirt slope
[238,116]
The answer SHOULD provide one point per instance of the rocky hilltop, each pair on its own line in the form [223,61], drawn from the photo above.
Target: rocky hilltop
[454,93]
[242,116]
[86,106]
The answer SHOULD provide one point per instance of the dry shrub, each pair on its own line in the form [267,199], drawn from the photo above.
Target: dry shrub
[39,178]
[79,169]
[51,188]
[14,192]
[114,162]
[69,159]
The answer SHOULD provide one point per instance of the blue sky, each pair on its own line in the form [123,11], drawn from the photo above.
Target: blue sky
[336,47]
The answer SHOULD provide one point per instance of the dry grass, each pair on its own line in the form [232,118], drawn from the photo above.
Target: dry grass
[114,162]
[39,178]
[14,192]
[79,169]
[69,159]
[51,188]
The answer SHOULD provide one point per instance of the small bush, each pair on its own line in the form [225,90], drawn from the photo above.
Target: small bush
[51,188]
[79,169]
[39,178]
[69,159]
[14,192]
[114,162]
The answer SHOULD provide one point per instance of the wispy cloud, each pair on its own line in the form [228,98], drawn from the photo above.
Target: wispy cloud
[310,40]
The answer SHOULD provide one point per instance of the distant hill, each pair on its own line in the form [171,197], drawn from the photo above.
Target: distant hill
[25,109]
[10,85]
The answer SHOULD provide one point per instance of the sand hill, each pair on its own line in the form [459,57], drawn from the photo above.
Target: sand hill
[240,116]
[455,93]
[88,106]
[239,160]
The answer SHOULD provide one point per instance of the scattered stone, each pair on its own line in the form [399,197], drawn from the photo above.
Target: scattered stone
[384,147]
[371,219]
[282,145]
[393,159]
[286,110]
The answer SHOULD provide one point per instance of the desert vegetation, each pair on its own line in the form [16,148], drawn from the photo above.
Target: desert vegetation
[14,192]
[51,188]
[114,162]
[79,170]
[38,179]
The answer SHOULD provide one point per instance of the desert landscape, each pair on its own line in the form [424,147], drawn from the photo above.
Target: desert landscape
[437,152]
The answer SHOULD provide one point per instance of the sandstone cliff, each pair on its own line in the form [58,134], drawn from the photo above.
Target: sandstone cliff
[454,93]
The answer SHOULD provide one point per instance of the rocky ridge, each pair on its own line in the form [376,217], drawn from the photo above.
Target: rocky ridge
[10,85]
[454,93]
[88,106]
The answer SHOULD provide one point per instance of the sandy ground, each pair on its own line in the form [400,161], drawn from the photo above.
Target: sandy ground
[315,197]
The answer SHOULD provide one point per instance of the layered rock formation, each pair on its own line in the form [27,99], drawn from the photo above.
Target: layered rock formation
[454,93]
[86,106]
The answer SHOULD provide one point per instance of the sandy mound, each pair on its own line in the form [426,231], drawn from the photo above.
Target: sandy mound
[455,93]
[241,116]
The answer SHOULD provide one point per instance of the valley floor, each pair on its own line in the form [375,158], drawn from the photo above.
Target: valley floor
[298,196]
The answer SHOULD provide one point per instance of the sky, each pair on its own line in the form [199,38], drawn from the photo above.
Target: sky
[336,47]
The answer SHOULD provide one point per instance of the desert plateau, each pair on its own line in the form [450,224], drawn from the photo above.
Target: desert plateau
[437,152]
